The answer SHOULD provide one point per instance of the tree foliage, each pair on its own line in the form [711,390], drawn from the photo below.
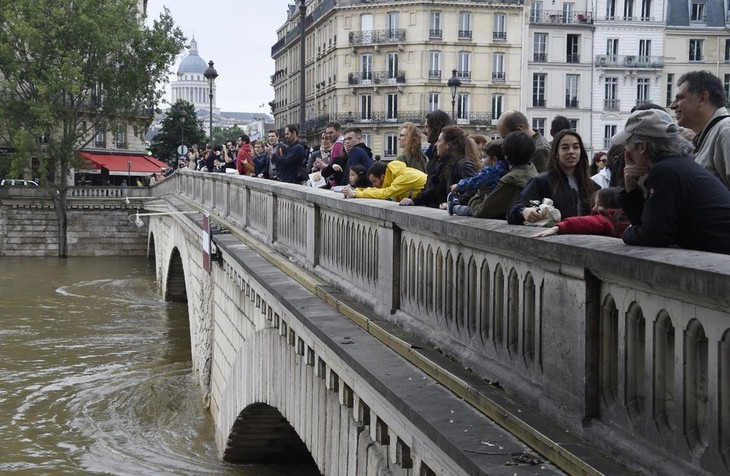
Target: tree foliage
[164,144]
[229,134]
[69,66]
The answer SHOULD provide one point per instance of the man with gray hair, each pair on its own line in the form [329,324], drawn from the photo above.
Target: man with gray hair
[700,105]
[670,199]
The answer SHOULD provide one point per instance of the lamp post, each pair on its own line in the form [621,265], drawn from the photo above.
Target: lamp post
[210,74]
[454,84]
[182,115]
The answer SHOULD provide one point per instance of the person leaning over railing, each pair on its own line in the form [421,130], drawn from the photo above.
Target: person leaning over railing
[391,181]
[669,198]
[566,182]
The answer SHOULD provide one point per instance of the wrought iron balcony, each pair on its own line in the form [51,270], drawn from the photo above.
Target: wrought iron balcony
[435,33]
[558,16]
[539,57]
[611,105]
[572,58]
[538,102]
[377,78]
[498,76]
[571,103]
[377,37]
[463,74]
[499,35]
[278,76]
[629,61]
[465,34]
[360,119]
[434,74]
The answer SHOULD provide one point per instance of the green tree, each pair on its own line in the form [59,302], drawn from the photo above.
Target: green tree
[164,144]
[222,135]
[68,67]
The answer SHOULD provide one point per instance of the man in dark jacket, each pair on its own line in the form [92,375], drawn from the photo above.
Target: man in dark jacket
[357,152]
[678,202]
[293,158]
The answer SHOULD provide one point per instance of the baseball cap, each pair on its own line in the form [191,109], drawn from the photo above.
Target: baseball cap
[650,123]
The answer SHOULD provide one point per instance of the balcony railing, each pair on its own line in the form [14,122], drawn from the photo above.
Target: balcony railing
[463,74]
[538,102]
[611,105]
[498,76]
[465,34]
[435,33]
[383,118]
[539,57]
[571,103]
[609,17]
[434,74]
[499,35]
[572,58]
[377,37]
[629,61]
[558,16]
[376,77]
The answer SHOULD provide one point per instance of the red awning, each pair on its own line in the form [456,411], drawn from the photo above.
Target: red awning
[123,164]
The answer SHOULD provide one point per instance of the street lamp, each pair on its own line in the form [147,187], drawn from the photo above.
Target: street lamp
[182,115]
[454,84]
[210,74]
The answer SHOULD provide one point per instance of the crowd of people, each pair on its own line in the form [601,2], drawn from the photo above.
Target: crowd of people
[661,183]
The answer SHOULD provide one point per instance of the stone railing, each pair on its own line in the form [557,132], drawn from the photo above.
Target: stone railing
[627,347]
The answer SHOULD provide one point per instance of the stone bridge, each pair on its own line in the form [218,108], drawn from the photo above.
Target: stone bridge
[377,339]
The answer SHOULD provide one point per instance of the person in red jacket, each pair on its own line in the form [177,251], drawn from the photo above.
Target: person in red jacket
[244,158]
[607,219]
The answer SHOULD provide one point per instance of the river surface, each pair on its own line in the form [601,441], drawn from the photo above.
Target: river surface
[95,374]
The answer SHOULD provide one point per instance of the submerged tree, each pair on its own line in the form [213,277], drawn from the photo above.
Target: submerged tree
[68,68]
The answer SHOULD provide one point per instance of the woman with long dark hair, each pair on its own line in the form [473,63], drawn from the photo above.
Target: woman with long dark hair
[458,157]
[435,122]
[567,182]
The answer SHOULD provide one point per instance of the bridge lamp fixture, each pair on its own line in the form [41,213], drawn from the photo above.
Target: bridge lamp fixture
[210,74]
[453,84]
[138,220]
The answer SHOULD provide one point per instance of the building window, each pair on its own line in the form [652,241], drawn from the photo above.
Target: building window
[393,25]
[464,25]
[538,125]
[497,106]
[628,9]
[435,30]
[670,88]
[612,49]
[391,145]
[536,12]
[500,31]
[696,50]
[120,136]
[391,107]
[568,12]
[462,107]
[498,67]
[609,131]
[727,51]
[539,45]
[611,102]
[645,10]
[573,124]
[367,139]
[610,9]
[642,91]
[572,55]
[571,90]
[366,107]
[727,86]
[698,12]
[538,89]
[100,135]
[464,69]
[644,51]
[392,66]
[434,65]
[434,101]
[366,68]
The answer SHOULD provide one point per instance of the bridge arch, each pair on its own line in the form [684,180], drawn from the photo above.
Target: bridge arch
[175,289]
[261,434]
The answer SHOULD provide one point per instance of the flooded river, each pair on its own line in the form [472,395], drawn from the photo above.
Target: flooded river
[95,374]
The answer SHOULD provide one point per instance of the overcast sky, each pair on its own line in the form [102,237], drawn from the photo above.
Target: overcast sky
[237,35]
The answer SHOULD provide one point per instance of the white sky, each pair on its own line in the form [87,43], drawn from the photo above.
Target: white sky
[237,35]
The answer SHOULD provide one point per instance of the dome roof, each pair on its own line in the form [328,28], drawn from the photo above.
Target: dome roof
[192,63]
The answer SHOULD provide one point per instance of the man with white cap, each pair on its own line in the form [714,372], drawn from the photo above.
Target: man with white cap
[669,198]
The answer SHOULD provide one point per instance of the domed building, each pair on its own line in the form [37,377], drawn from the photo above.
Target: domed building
[191,85]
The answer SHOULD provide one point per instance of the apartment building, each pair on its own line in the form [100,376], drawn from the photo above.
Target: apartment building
[559,79]
[375,64]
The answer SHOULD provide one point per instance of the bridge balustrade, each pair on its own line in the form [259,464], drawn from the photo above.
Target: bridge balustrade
[627,347]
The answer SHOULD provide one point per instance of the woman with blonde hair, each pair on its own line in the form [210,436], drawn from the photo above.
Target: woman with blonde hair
[409,140]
